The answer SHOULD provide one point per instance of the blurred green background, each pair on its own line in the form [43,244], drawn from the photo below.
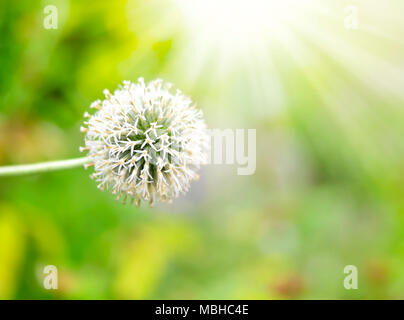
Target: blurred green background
[327,103]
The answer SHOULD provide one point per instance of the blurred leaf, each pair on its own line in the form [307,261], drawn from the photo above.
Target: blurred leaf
[11,251]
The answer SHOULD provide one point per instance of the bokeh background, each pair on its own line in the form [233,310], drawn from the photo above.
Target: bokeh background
[328,106]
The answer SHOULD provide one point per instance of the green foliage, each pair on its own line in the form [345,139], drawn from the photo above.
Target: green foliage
[328,190]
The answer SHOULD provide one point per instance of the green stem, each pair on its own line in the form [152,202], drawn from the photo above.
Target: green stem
[41,167]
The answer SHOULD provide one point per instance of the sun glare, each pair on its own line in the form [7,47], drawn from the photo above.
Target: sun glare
[237,22]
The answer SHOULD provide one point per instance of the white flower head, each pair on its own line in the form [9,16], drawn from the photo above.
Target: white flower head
[145,142]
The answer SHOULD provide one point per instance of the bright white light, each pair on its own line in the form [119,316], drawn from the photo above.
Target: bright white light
[237,23]
[234,34]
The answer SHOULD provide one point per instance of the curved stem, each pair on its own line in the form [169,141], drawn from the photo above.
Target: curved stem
[42,167]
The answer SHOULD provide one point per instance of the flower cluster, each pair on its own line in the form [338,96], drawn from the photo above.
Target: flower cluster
[144,142]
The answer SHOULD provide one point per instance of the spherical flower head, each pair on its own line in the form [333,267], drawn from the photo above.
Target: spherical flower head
[145,142]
